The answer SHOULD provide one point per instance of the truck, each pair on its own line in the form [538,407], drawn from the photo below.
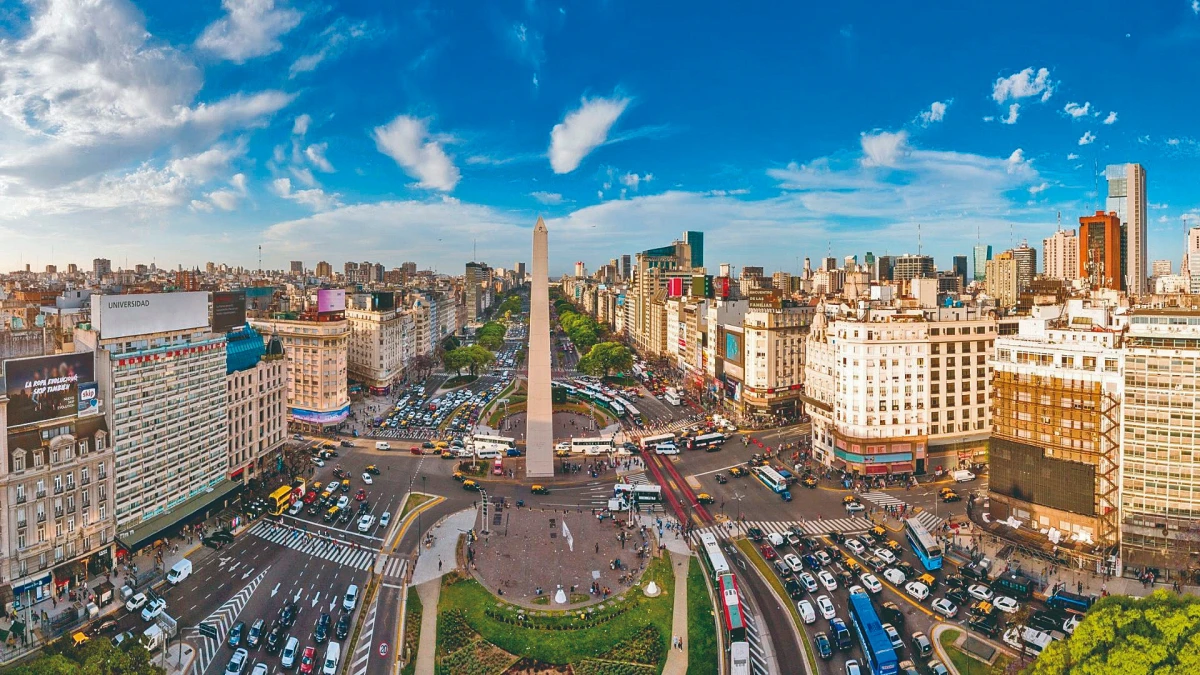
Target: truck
[962,476]
[153,638]
[179,571]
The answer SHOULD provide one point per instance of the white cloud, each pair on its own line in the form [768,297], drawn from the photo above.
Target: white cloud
[1071,156]
[1164,219]
[1173,141]
[1112,116]
[204,166]
[1039,188]
[1087,138]
[1013,112]
[936,112]
[883,148]
[1023,85]
[989,118]
[1196,7]
[331,42]
[632,180]
[549,198]
[583,130]
[1158,205]
[314,198]
[250,28]
[303,174]
[407,141]
[1016,162]
[1075,110]
[316,155]
[228,199]
[300,126]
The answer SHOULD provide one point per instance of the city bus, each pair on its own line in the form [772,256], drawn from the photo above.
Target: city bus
[706,442]
[648,442]
[731,608]
[672,398]
[591,446]
[490,447]
[281,499]
[880,655]
[771,478]
[739,658]
[712,551]
[923,544]
[1070,602]
[642,494]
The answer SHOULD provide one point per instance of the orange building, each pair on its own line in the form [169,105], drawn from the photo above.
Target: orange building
[1100,251]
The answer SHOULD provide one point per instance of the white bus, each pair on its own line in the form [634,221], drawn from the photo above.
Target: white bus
[642,493]
[672,398]
[592,446]
[489,447]
[648,442]
[771,478]
[739,658]
[712,550]
[666,449]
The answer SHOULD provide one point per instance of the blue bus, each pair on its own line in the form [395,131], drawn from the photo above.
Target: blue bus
[923,544]
[1071,602]
[880,655]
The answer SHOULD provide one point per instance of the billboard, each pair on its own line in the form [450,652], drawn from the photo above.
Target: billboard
[228,310]
[46,387]
[765,298]
[89,401]
[383,301]
[318,417]
[331,300]
[722,287]
[732,349]
[118,316]
[674,287]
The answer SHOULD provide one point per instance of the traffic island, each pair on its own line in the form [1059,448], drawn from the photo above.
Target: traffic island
[970,656]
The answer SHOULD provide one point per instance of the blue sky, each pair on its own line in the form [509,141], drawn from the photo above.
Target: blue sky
[196,131]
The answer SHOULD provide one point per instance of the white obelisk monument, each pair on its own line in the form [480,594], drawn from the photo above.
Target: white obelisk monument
[539,416]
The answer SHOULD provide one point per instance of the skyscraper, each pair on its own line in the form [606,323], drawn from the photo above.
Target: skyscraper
[297,267]
[911,266]
[625,264]
[883,268]
[1127,198]
[101,267]
[960,269]
[1100,250]
[1026,258]
[983,253]
[696,241]
[1062,255]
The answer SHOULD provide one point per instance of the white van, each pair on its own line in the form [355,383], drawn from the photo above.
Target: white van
[180,571]
[666,449]
[331,659]
[290,650]
[382,445]
[153,638]
[962,476]
[491,453]
[297,507]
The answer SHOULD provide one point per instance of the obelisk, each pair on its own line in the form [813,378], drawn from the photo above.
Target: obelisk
[539,415]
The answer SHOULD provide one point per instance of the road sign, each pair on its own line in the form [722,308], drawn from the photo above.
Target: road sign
[208,630]
[383,649]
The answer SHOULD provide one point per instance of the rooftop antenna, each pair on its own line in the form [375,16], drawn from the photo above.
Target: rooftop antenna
[1096,179]
[260,258]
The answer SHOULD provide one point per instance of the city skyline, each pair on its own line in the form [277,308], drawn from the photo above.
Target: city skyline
[238,125]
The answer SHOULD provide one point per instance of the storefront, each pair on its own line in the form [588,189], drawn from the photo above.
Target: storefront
[875,458]
[31,591]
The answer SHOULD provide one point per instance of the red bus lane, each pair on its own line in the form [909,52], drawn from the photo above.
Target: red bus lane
[687,492]
[670,494]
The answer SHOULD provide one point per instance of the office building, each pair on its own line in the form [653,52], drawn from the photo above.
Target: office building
[883,271]
[910,266]
[1191,260]
[625,263]
[256,389]
[382,342]
[960,270]
[773,364]
[580,269]
[324,270]
[1001,279]
[1161,268]
[162,370]
[1026,258]
[519,270]
[1127,199]
[1061,251]
[1100,251]
[317,347]
[297,267]
[695,242]
[645,319]
[982,253]
[101,267]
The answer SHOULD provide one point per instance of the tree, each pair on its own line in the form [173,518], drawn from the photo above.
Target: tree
[423,365]
[456,360]
[491,335]
[96,657]
[607,357]
[477,357]
[450,343]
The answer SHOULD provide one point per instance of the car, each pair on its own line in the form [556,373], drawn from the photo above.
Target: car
[721,479]
[1071,624]
[307,660]
[793,562]
[705,498]
[811,562]
[855,589]
[876,564]
[807,613]
[318,461]
[893,636]
[885,555]
[136,602]
[786,495]
[809,481]
[1006,604]
[958,595]
[152,610]
[274,638]
[738,472]
[343,502]
[828,611]
[853,667]
[936,667]
[824,648]
[980,592]
[237,663]
[823,557]
[793,539]
[950,496]
[793,589]
[776,539]
[921,644]
[827,580]
[366,477]
[855,546]
[855,507]
[781,567]
[342,629]
[871,582]
[944,607]
[906,569]
[917,590]
[809,581]
[235,634]
[891,612]
[955,581]
[288,658]
[385,519]
[321,630]
[365,523]
[102,627]
[351,598]
[894,576]
[254,637]
[372,469]
[287,614]
[361,495]
[260,669]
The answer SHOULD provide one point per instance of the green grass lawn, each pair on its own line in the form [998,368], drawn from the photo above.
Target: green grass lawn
[561,646]
[969,665]
[412,631]
[752,554]
[413,501]
[702,631]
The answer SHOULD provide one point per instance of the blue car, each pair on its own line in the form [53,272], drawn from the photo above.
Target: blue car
[823,647]
[811,562]
[786,495]
[235,634]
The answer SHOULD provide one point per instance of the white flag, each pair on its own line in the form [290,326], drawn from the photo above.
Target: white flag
[567,535]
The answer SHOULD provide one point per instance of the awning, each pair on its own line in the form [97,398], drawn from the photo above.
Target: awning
[145,533]
[69,570]
[902,467]
[876,469]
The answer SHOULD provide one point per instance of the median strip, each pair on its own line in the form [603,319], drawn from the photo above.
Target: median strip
[751,553]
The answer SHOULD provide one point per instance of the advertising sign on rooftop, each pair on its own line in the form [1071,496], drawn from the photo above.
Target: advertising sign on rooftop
[331,300]
[118,316]
[228,310]
[46,387]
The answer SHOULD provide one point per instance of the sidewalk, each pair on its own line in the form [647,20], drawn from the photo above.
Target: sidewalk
[429,592]
[677,659]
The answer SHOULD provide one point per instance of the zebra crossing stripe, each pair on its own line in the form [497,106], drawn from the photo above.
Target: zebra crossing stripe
[319,548]
[883,499]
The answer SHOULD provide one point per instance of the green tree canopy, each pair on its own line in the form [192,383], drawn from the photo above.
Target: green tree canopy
[450,342]
[491,335]
[455,359]
[605,358]
[1157,634]
[477,357]
[96,657]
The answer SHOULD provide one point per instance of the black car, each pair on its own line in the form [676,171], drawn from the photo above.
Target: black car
[755,534]
[346,444]
[343,626]
[104,626]
[321,632]
[793,588]
[720,478]
[989,624]
[222,535]
[974,571]
[214,544]
[287,615]
[821,641]
[955,581]
[346,516]
[275,639]
[235,635]
[958,596]
[891,613]
[345,487]
[906,569]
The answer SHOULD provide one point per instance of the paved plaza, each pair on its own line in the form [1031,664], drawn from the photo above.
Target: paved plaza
[566,425]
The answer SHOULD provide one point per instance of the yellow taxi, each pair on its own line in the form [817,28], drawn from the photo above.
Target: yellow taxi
[738,472]
[470,485]
[893,544]
[929,581]
[704,498]
[446,454]
[441,445]
[849,499]
[459,476]
[79,638]
[539,490]
[562,453]
[878,533]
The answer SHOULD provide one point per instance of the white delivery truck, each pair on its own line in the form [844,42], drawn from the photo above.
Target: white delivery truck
[962,476]
[153,638]
[180,571]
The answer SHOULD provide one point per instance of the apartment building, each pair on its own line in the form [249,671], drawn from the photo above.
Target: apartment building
[1061,252]
[382,342]
[256,387]
[774,366]
[317,346]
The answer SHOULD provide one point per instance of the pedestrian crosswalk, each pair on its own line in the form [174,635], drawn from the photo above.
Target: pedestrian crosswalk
[336,551]
[931,521]
[927,518]
[851,525]
[394,567]
[882,499]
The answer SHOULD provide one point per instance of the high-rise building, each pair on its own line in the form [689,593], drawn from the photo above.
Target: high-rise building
[1127,198]
[256,383]
[983,253]
[1026,257]
[782,281]
[1001,279]
[960,269]
[382,341]
[519,270]
[163,371]
[695,241]
[1160,268]
[911,266]
[478,282]
[645,319]
[297,267]
[1100,250]
[625,263]
[1061,251]
[324,270]
[1191,267]
[773,361]
[884,268]
[317,347]
[580,269]
[829,263]
[101,267]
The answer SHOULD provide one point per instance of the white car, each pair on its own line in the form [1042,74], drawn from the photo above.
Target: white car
[367,478]
[136,602]
[827,580]
[365,523]
[238,663]
[871,582]
[894,576]
[855,546]
[944,607]
[319,462]
[810,584]
[854,507]
[385,519]
[1071,623]
[894,636]
[807,614]
[793,561]
[823,558]
[343,502]
[979,592]
[152,610]
[260,669]
[917,590]
[1006,604]
[885,555]
[826,606]
[776,539]
[856,589]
